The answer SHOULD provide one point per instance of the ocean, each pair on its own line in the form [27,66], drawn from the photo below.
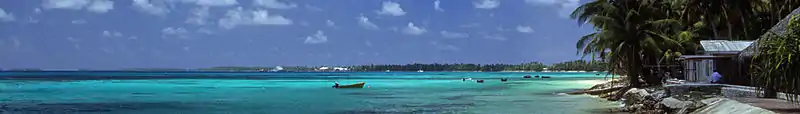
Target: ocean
[296,93]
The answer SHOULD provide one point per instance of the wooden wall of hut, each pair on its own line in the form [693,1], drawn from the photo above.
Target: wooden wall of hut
[731,71]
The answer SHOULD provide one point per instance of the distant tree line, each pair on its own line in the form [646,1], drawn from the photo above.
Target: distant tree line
[531,66]
[577,65]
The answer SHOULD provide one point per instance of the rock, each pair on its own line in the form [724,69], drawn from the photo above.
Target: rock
[658,95]
[674,103]
[632,108]
[635,95]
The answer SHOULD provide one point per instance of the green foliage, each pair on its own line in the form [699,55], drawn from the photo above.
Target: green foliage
[234,68]
[776,66]
[532,66]
[633,33]
[579,64]
[630,33]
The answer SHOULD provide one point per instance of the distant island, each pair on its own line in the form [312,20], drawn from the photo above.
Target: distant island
[576,65]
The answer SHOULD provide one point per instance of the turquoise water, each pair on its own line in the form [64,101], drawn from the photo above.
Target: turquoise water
[295,93]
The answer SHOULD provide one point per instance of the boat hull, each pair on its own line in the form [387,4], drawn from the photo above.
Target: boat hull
[357,85]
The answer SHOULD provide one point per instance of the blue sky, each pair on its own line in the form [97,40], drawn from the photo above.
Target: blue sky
[109,34]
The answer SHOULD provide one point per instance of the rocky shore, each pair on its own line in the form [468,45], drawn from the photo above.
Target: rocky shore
[673,99]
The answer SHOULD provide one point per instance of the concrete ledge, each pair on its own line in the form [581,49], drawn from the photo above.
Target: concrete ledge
[726,90]
[740,92]
[727,106]
[683,89]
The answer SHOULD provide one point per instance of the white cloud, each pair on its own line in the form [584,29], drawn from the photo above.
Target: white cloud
[486,4]
[391,8]
[313,8]
[31,20]
[447,34]
[147,7]
[368,43]
[524,29]
[494,37]
[365,23]
[37,10]
[65,4]
[330,23]
[74,42]
[436,6]
[239,16]
[213,2]
[565,7]
[112,34]
[199,16]
[413,30]
[178,32]
[16,43]
[169,31]
[72,39]
[100,6]
[274,4]
[78,22]
[545,2]
[317,38]
[6,16]
[106,33]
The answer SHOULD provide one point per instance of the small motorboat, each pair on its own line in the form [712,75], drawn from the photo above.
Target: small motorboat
[537,76]
[480,81]
[545,76]
[527,76]
[356,85]
[503,79]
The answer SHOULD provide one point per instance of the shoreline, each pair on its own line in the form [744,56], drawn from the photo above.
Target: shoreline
[157,71]
[673,98]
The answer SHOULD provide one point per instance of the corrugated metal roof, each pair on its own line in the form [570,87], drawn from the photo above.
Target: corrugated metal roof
[724,45]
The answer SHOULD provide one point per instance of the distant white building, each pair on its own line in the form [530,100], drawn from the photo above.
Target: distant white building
[340,69]
[277,68]
[332,69]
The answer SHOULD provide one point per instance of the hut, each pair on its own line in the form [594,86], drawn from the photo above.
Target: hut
[717,55]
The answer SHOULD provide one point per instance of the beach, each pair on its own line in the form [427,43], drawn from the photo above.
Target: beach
[393,92]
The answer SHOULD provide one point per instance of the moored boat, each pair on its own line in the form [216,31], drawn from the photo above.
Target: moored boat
[356,85]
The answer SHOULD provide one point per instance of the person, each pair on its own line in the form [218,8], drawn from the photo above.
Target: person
[335,84]
[715,77]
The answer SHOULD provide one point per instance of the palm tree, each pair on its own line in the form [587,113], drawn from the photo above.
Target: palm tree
[628,32]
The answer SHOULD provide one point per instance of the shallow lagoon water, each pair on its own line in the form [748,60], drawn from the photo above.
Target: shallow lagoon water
[296,93]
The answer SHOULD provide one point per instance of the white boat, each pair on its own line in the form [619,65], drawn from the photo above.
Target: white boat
[420,71]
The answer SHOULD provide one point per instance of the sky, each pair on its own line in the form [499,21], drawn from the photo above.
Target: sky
[111,34]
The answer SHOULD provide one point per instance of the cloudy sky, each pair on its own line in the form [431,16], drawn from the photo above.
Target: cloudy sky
[108,34]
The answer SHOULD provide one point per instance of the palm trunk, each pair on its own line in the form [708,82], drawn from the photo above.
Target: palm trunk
[714,30]
[634,66]
[770,92]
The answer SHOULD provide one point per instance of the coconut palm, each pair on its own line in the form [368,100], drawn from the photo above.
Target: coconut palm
[628,34]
